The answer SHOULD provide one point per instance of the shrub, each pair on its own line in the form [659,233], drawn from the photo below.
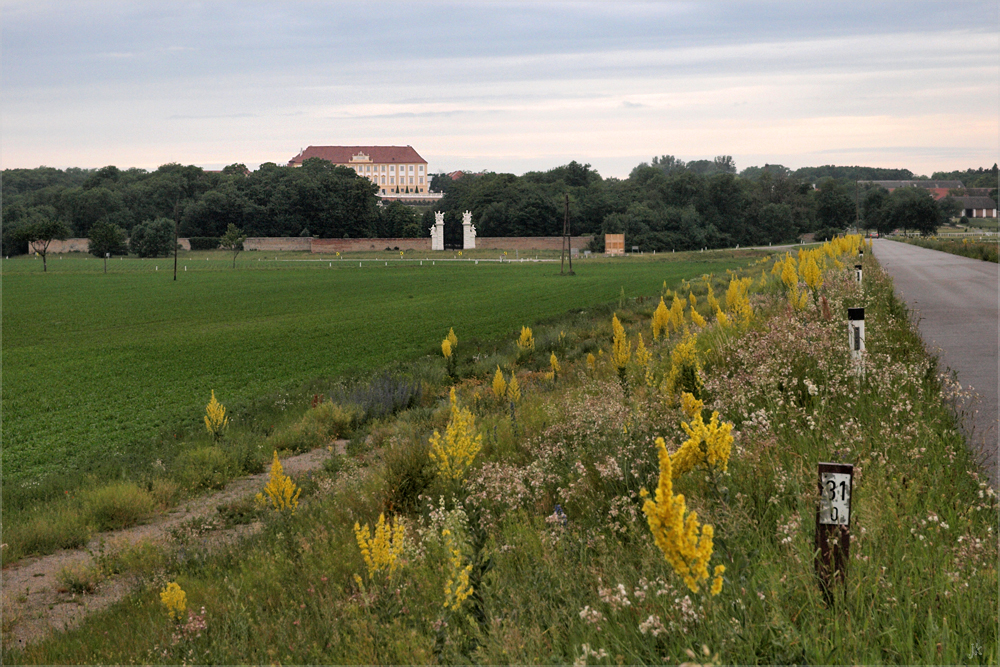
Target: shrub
[203,468]
[45,532]
[78,578]
[326,422]
[204,242]
[382,396]
[152,238]
[117,505]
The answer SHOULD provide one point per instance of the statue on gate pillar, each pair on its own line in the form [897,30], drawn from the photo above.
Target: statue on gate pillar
[468,231]
[437,231]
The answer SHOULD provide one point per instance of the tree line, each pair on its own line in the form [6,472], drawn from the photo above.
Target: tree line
[664,204]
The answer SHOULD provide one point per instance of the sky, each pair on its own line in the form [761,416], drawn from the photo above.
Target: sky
[501,86]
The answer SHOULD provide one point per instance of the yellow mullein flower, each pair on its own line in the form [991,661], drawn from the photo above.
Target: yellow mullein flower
[811,274]
[526,343]
[280,492]
[708,445]
[382,550]
[499,385]
[685,369]
[685,544]
[216,420]
[717,580]
[591,361]
[661,319]
[554,364]
[452,338]
[738,299]
[174,599]
[721,317]
[454,454]
[788,274]
[621,349]
[697,318]
[677,313]
[457,588]
[713,303]
[446,348]
[693,299]
[513,389]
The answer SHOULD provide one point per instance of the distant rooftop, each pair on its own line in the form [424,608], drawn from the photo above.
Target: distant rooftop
[930,185]
[359,154]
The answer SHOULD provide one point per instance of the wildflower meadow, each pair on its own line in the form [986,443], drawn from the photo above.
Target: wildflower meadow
[633,484]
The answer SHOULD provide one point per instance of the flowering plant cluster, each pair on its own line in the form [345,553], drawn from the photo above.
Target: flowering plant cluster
[174,599]
[455,452]
[457,588]
[686,544]
[382,550]
[708,445]
[215,418]
[526,342]
[280,493]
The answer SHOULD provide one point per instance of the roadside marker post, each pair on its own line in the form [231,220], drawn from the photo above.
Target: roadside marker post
[833,524]
[856,332]
[857,272]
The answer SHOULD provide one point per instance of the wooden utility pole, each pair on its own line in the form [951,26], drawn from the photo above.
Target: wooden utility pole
[567,243]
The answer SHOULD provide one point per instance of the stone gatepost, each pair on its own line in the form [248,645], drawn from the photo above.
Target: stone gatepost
[468,231]
[437,232]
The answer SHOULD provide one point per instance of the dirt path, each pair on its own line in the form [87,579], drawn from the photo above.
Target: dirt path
[32,604]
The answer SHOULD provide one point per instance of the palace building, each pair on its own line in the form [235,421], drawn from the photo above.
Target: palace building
[396,170]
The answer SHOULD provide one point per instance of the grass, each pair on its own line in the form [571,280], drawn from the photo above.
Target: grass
[109,380]
[985,250]
[587,583]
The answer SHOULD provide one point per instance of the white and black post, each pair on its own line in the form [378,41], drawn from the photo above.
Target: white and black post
[856,332]
[833,524]
[857,272]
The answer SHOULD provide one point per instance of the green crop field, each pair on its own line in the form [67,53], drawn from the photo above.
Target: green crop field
[97,366]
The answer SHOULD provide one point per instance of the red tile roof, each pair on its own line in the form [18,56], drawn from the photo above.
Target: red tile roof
[343,154]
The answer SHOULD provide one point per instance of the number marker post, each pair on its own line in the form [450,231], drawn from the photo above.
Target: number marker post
[857,272]
[833,523]
[856,334]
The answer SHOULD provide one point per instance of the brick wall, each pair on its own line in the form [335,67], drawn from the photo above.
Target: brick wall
[278,244]
[330,246]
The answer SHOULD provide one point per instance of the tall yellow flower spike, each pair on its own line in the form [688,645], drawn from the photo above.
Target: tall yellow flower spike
[811,274]
[513,389]
[455,452]
[381,551]
[661,319]
[526,343]
[446,348]
[697,319]
[685,369]
[457,588]
[554,364]
[591,361]
[685,544]
[499,385]
[452,338]
[677,313]
[621,349]
[280,492]
[216,420]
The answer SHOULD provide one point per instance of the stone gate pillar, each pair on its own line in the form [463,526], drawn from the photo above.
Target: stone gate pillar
[468,231]
[437,232]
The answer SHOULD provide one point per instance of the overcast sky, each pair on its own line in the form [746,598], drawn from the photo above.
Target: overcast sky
[502,86]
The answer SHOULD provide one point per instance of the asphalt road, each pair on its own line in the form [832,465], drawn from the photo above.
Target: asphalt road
[955,304]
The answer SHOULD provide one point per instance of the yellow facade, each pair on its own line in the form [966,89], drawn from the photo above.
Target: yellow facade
[404,177]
